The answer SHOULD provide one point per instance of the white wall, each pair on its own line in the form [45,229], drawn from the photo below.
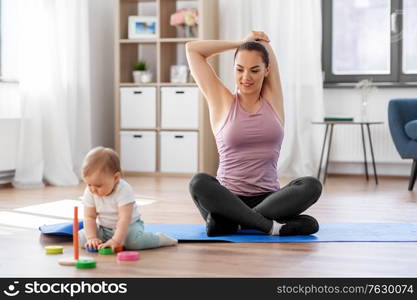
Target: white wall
[102,18]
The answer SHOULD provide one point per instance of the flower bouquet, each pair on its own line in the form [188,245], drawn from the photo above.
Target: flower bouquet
[186,18]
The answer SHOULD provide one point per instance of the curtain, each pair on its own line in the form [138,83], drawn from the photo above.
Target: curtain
[294,29]
[54,91]
[9,92]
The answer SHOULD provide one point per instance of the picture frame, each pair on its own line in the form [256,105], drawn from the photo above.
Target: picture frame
[142,27]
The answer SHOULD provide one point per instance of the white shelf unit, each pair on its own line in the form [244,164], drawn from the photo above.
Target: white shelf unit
[172,117]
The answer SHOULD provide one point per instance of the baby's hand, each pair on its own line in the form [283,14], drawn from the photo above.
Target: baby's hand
[93,243]
[109,244]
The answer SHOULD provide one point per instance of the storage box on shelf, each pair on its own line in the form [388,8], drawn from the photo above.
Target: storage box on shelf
[179,107]
[138,107]
[179,151]
[138,151]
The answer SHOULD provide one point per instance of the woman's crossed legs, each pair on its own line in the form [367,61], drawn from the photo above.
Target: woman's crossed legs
[225,211]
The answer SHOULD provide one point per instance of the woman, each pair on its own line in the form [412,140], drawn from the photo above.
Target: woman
[248,127]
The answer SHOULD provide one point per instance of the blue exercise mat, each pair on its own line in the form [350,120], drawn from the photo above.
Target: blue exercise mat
[64,229]
[337,232]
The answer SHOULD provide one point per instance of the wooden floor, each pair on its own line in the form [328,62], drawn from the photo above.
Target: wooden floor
[344,199]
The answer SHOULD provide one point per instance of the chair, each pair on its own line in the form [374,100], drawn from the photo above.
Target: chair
[402,119]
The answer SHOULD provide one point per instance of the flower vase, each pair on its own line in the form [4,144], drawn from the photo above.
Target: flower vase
[364,109]
[189,31]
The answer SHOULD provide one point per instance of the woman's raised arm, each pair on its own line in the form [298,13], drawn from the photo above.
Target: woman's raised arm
[210,85]
[271,88]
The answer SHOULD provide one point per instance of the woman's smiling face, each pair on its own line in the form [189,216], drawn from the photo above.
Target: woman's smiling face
[250,71]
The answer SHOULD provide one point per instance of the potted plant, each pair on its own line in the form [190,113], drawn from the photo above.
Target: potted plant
[140,73]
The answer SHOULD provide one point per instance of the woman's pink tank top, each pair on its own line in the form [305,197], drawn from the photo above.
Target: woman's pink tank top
[249,145]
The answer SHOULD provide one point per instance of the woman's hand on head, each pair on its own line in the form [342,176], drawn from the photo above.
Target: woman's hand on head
[256,36]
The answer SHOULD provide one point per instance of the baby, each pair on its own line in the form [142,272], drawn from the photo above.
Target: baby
[111,201]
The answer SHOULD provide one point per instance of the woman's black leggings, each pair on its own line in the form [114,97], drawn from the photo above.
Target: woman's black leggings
[258,211]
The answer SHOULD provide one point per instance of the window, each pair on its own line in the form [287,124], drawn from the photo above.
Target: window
[370,39]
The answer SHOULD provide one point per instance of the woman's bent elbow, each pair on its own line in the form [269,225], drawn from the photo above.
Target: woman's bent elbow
[188,46]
